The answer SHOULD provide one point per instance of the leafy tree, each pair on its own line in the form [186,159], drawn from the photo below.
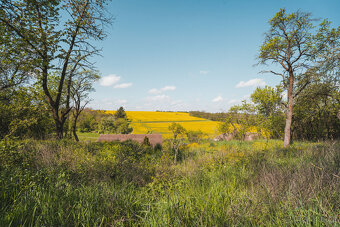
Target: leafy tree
[118,123]
[112,125]
[14,62]
[316,111]
[23,114]
[327,55]
[122,126]
[269,106]
[289,43]
[268,100]
[120,113]
[195,136]
[107,125]
[81,86]
[58,34]
[87,123]
[178,132]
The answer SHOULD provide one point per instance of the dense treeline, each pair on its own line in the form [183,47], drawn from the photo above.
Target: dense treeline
[315,112]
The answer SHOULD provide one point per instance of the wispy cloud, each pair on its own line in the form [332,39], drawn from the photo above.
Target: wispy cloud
[109,80]
[123,85]
[204,72]
[154,91]
[251,83]
[168,88]
[157,98]
[159,91]
[218,99]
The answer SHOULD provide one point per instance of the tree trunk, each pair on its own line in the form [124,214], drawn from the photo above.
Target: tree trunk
[74,128]
[289,112]
[59,129]
[175,160]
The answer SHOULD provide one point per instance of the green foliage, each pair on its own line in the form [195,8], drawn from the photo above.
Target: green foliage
[316,113]
[146,141]
[112,125]
[120,113]
[24,114]
[57,37]
[288,32]
[195,136]
[177,130]
[304,55]
[118,123]
[244,121]
[88,124]
[270,108]
[179,133]
[267,100]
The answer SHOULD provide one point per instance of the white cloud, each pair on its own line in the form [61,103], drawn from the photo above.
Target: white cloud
[157,98]
[218,99]
[124,85]
[251,83]
[204,72]
[109,80]
[168,88]
[159,91]
[154,91]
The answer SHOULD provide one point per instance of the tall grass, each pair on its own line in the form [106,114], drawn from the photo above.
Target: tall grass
[215,184]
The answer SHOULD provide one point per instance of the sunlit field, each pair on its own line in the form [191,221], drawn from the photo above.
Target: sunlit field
[144,122]
[154,116]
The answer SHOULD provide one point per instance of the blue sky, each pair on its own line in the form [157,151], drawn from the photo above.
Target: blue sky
[183,55]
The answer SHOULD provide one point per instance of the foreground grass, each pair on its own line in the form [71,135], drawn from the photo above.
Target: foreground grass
[215,184]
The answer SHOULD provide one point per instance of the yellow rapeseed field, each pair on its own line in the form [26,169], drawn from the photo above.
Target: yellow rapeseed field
[143,122]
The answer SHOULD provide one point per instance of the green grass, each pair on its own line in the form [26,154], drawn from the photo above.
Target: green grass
[51,183]
[88,136]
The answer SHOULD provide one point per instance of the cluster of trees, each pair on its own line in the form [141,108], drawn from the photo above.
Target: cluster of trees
[46,70]
[315,114]
[263,115]
[308,59]
[118,123]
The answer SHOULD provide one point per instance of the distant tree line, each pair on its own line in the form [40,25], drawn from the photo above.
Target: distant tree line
[221,116]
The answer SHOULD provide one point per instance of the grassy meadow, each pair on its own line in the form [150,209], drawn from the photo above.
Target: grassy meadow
[64,183]
[280,167]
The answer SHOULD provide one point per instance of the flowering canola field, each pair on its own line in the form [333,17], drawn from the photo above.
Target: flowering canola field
[143,122]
